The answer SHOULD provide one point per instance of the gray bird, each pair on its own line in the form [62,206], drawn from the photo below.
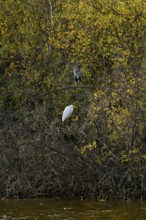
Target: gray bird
[77,74]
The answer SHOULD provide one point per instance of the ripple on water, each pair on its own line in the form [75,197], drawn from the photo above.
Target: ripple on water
[61,209]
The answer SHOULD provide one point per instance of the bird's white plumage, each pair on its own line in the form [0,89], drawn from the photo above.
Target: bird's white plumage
[67,112]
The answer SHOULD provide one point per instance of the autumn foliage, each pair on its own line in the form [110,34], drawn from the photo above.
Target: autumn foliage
[100,152]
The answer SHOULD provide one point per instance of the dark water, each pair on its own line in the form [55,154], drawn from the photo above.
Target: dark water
[60,209]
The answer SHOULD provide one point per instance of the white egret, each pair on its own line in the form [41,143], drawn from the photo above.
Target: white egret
[77,74]
[67,112]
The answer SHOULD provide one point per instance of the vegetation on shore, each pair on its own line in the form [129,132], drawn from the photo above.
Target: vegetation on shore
[100,152]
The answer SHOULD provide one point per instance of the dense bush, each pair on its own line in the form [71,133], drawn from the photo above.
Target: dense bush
[100,151]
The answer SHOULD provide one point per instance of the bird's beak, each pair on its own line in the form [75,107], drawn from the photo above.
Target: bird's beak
[74,106]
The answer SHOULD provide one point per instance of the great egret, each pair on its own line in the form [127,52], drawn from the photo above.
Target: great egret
[77,74]
[67,112]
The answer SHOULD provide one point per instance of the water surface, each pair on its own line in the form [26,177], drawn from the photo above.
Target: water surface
[66,209]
